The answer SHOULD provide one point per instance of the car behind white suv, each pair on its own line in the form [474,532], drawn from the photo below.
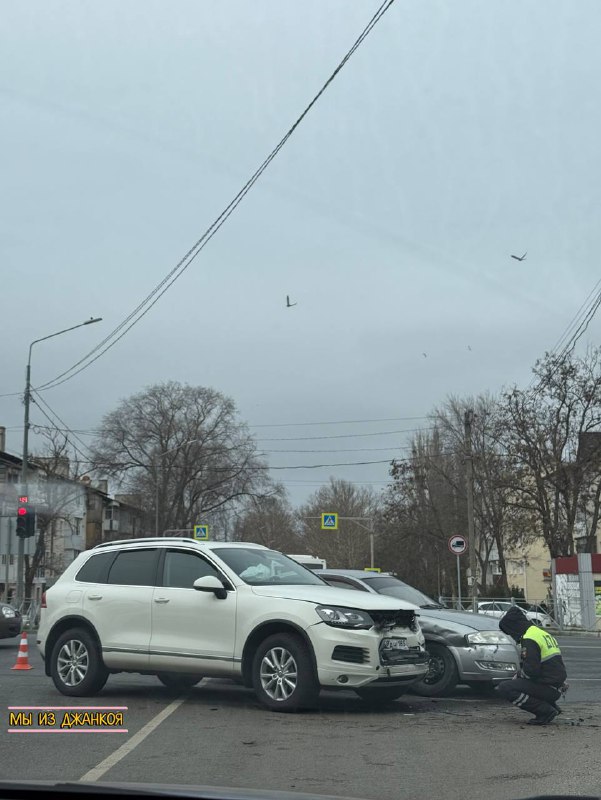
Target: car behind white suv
[183,610]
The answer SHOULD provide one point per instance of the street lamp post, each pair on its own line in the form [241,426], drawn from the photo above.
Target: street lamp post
[25,463]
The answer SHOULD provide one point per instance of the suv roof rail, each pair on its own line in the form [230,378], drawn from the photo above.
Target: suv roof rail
[147,539]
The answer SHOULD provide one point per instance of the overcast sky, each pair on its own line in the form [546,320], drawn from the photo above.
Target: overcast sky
[458,134]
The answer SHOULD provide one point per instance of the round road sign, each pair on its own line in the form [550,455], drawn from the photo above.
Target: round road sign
[457,545]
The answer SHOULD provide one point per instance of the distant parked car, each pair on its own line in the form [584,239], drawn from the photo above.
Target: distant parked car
[10,621]
[463,648]
[536,614]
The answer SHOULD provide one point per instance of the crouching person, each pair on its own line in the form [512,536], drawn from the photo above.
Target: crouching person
[538,686]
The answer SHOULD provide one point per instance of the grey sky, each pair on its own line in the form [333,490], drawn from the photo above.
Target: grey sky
[458,134]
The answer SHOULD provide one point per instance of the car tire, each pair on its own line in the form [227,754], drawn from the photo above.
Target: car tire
[442,676]
[178,681]
[76,664]
[380,695]
[283,674]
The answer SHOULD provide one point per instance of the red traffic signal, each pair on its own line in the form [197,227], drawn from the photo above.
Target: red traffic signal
[25,519]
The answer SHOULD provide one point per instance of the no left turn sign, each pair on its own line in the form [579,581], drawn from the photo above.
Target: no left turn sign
[457,545]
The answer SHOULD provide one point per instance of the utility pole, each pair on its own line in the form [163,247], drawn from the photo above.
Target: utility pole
[24,477]
[469,476]
[25,463]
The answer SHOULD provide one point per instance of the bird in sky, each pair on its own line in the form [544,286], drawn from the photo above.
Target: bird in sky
[288,303]
[425,355]
[469,348]
[520,258]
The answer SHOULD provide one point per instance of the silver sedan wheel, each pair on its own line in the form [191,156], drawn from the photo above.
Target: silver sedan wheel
[73,662]
[279,673]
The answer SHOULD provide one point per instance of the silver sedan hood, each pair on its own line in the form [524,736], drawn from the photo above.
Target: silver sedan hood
[455,620]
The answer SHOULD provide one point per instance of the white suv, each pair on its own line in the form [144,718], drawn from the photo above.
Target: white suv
[182,610]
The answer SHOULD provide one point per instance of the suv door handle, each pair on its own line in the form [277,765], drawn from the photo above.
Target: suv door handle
[94,597]
[161,599]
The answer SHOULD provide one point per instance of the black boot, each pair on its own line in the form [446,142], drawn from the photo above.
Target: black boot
[546,718]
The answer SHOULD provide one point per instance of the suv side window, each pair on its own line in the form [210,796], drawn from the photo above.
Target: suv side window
[181,569]
[134,568]
[96,568]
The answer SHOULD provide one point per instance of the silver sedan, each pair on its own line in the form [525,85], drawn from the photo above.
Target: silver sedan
[463,647]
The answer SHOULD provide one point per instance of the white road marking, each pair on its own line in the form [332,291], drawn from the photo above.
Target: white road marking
[580,647]
[126,748]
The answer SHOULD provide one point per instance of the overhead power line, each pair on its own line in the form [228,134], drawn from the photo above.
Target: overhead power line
[178,270]
[344,435]
[66,430]
[575,330]
[337,422]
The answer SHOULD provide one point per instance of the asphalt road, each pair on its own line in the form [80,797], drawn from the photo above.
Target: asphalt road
[218,735]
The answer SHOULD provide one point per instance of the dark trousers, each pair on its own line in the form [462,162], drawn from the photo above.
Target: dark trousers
[537,698]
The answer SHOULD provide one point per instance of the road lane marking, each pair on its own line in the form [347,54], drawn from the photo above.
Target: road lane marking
[126,748]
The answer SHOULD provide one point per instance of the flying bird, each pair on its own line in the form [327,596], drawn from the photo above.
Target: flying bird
[520,258]
[288,303]
[425,355]
[469,348]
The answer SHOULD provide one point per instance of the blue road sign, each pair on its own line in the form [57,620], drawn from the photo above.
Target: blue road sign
[329,522]
[201,532]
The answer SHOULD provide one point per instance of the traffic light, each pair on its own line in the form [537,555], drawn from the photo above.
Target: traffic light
[25,519]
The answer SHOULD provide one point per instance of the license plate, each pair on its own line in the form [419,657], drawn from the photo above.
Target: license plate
[394,644]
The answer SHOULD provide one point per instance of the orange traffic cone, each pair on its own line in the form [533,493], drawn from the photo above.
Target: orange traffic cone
[22,657]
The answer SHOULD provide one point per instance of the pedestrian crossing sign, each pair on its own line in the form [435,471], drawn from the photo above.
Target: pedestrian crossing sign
[201,533]
[329,522]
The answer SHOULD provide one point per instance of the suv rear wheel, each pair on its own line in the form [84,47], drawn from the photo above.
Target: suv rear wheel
[76,664]
[283,674]
[178,681]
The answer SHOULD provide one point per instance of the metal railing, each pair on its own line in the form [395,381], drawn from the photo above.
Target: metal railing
[30,612]
[538,606]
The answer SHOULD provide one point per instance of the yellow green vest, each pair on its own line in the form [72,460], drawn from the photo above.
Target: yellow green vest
[547,643]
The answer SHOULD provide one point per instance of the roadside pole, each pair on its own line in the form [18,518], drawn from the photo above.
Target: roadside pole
[458,546]
[8,555]
[459,583]
[469,476]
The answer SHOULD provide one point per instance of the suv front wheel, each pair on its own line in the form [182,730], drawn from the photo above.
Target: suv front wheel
[283,674]
[76,664]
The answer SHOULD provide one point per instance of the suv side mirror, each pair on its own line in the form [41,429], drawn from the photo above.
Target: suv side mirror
[210,583]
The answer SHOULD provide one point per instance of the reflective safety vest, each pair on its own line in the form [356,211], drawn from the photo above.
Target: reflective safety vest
[547,643]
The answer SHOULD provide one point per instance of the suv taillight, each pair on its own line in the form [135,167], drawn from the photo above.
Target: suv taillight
[43,600]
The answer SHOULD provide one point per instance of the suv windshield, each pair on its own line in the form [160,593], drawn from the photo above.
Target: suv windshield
[265,567]
[396,588]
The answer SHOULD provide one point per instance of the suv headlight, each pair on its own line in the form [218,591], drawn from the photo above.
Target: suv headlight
[345,617]
[488,637]
[8,612]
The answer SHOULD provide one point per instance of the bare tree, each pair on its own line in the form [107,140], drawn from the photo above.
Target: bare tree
[269,520]
[541,431]
[348,547]
[428,497]
[183,449]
